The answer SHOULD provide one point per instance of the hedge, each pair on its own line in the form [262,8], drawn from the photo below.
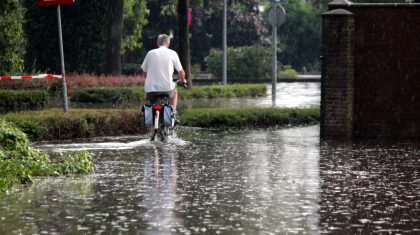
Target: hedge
[220,91]
[77,123]
[80,123]
[120,95]
[115,95]
[248,63]
[249,117]
[13,101]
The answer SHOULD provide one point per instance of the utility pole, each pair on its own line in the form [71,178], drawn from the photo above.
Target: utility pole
[277,17]
[63,71]
[224,42]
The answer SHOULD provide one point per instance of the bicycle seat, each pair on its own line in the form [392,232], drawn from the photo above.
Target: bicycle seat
[161,95]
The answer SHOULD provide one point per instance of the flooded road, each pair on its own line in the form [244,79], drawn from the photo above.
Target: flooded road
[288,95]
[264,181]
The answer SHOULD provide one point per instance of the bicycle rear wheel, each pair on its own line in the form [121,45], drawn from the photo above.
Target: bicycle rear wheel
[153,135]
[162,134]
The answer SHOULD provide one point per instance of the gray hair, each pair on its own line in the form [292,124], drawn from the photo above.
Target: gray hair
[163,40]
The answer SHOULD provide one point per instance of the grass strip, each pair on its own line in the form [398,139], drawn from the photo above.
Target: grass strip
[249,117]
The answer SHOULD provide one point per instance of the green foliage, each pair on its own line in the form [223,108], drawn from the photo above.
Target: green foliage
[135,13]
[130,69]
[249,117]
[287,72]
[81,163]
[12,101]
[299,39]
[78,123]
[85,32]
[115,95]
[84,27]
[248,63]
[12,38]
[19,162]
[219,91]
[244,22]
[119,95]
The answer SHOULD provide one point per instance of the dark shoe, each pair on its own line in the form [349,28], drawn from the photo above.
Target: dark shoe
[177,122]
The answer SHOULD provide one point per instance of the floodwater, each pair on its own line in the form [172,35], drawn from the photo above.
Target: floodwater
[209,181]
[264,181]
[288,95]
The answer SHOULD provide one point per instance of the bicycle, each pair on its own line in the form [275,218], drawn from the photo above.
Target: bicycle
[160,117]
[163,118]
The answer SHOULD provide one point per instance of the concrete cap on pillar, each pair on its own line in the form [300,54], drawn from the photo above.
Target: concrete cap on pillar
[340,2]
[337,12]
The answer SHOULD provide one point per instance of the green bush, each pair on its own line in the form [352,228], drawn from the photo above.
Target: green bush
[53,86]
[130,68]
[13,101]
[219,91]
[19,162]
[115,95]
[287,72]
[77,123]
[249,117]
[136,94]
[249,63]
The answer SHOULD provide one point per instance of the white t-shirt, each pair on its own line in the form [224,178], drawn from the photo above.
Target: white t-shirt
[159,65]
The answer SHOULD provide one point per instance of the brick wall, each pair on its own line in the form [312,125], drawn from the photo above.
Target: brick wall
[337,74]
[386,69]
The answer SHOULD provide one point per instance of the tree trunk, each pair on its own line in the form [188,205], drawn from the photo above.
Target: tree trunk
[183,40]
[113,48]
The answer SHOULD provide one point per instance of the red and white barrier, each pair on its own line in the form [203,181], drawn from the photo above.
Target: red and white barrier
[40,76]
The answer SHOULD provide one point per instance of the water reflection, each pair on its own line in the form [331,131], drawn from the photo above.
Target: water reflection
[265,181]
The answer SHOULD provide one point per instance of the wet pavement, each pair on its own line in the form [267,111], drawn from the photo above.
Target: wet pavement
[264,181]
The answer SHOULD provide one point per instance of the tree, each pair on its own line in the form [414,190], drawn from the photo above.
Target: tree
[135,12]
[299,38]
[114,39]
[183,39]
[12,39]
[86,35]
[245,27]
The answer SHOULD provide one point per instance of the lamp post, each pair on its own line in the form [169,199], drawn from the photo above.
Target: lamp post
[224,72]
[63,71]
[276,16]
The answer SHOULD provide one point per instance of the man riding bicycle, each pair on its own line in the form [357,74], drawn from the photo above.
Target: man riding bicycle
[159,67]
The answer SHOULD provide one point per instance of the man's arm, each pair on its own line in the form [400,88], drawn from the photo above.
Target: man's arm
[181,74]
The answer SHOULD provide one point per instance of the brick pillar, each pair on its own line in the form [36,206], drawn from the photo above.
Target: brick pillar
[337,80]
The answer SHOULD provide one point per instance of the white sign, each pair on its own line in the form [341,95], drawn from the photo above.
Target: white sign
[277,16]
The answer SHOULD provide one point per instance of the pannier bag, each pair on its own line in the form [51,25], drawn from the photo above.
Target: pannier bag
[148,115]
[168,115]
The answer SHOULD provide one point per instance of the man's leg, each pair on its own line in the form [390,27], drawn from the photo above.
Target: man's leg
[174,100]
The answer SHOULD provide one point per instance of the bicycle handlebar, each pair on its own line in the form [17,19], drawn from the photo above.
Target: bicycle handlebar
[178,82]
